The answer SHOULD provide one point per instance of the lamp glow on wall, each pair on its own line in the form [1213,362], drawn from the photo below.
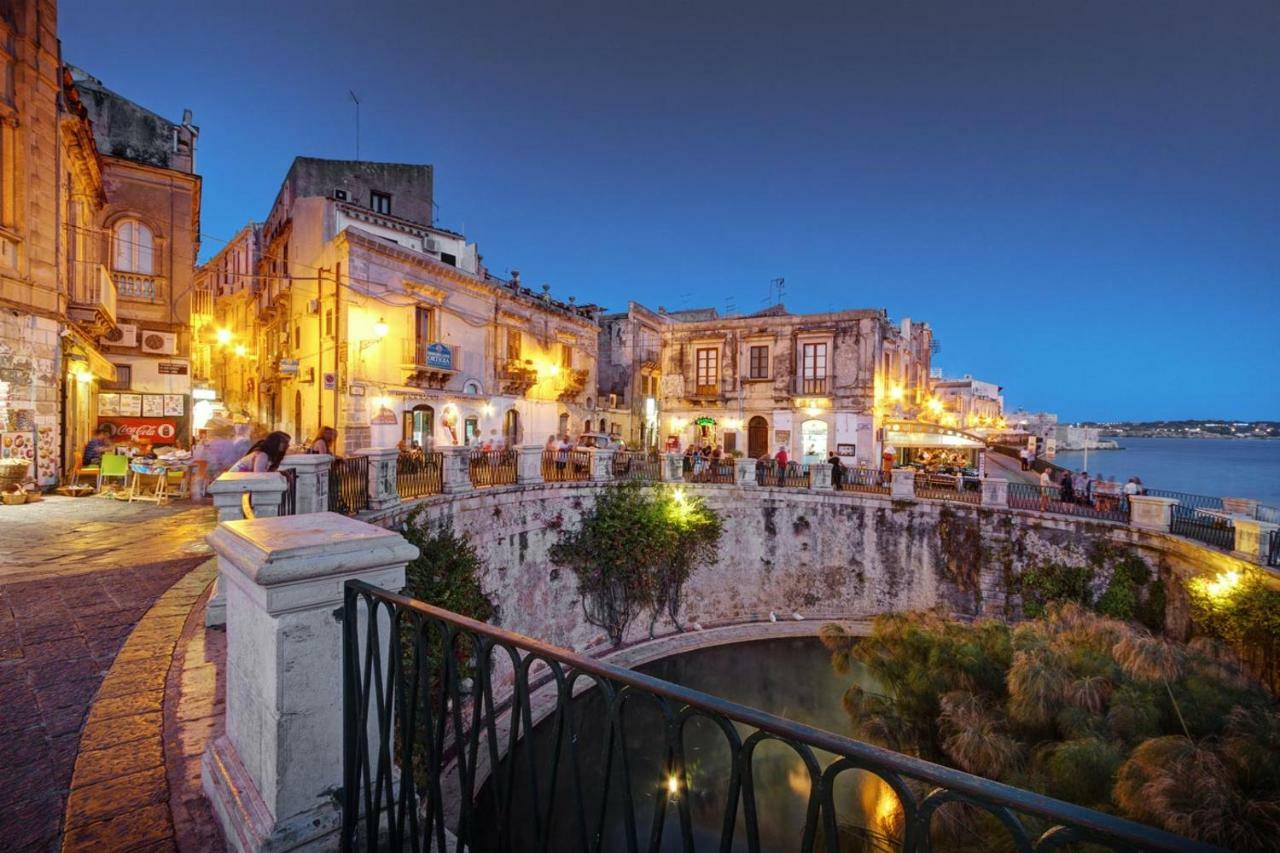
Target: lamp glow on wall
[224,336]
[380,328]
[240,350]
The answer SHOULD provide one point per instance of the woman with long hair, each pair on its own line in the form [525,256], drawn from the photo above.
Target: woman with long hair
[265,455]
[324,440]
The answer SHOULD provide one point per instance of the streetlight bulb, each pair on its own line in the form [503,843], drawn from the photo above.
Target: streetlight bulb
[240,350]
[673,785]
[224,336]
[381,328]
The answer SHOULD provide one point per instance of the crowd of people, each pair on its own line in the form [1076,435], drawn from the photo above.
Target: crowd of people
[1101,492]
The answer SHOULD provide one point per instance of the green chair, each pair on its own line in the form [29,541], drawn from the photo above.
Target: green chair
[113,465]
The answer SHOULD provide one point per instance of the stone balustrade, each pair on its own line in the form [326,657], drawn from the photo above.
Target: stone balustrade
[1151,513]
[230,492]
[271,778]
[311,481]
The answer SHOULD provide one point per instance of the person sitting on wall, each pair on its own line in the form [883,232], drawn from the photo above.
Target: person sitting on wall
[324,441]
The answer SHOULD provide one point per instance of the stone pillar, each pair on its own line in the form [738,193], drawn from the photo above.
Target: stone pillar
[820,475]
[273,776]
[672,468]
[995,492]
[265,491]
[903,485]
[456,470]
[744,472]
[601,464]
[1151,513]
[311,481]
[382,476]
[529,464]
[1254,538]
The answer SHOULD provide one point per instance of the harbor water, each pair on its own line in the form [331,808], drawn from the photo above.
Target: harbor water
[1248,468]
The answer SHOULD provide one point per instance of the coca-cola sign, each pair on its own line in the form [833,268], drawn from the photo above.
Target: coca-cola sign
[154,430]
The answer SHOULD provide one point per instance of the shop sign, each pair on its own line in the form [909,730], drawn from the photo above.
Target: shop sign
[155,430]
[846,450]
[289,366]
[705,422]
[439,355]
[172,368]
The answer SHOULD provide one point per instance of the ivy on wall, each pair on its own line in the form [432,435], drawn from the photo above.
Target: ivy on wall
[1243,610]
[1131,592]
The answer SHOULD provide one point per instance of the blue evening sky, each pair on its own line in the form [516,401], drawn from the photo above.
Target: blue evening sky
[1082,198]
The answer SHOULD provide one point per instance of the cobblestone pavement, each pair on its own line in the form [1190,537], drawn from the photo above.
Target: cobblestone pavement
[75,577]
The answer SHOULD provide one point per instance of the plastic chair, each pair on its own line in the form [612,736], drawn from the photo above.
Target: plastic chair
[93,471]
[179,480]
[113,465]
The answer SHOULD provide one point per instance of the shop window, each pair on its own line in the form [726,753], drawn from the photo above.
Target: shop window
[470,429]
[759,362]
[813,441]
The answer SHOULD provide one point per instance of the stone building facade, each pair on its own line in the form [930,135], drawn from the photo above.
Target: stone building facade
[78,164]
[365,316]
[812,383]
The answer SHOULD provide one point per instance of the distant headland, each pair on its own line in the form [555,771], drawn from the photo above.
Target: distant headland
[1187,429]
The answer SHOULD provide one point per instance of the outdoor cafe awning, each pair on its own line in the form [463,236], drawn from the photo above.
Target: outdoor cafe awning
[923,434]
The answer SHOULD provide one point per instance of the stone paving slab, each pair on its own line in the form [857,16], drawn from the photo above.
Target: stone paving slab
[62,622]
[115,783]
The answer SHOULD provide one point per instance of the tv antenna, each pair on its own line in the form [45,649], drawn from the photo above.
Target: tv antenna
[777,287]
[356,101]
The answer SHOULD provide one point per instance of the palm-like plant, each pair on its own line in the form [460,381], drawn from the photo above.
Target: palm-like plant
[1089,692]
[1036,682]
[974,739]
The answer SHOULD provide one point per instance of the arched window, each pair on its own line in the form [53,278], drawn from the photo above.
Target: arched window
[133,249]
[471,387]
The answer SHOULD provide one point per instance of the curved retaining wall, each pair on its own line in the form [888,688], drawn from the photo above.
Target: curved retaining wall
[821,556]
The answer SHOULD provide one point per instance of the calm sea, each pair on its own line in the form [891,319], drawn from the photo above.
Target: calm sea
[1248,468]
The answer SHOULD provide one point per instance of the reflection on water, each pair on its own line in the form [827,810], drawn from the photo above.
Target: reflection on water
[792,678]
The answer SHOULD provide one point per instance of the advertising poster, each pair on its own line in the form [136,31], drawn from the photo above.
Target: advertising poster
[108,405]
[153,406]
[173,406]
[158,431]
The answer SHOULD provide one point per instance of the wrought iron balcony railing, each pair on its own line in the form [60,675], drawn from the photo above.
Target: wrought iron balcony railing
[439,710]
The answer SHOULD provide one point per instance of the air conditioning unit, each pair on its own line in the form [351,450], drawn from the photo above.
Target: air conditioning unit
[123,335]
[432,245]
[313,306]
[341,195]
[160,343]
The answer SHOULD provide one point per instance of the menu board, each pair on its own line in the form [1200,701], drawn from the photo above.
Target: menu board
[131,405]
[108,405]
[174,405]
[152,406]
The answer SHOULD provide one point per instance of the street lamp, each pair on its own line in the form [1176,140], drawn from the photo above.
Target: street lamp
[224,336]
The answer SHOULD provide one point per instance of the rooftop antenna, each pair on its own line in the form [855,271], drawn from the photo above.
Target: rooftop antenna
[777,285]
[356,101]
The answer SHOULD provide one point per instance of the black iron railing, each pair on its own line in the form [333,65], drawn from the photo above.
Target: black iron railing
[419,474]
[349,485]
[1188,522]
[493,467]
[559,466]
[289,500]
[637,465]
[1111,507]
[437,742]
[793,475]
[870,480]
[707,469]
[1273,553]
[948,487]
[1187,500]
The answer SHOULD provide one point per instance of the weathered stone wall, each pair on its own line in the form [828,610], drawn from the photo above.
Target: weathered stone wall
[822,556]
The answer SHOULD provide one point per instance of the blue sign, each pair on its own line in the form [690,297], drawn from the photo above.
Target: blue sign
[439,355]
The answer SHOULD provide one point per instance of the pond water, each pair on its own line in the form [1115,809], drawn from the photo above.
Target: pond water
[792,678]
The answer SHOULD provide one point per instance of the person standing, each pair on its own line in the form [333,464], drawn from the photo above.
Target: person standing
[1068,492]
[1046,486]
[837,471]
[781,459]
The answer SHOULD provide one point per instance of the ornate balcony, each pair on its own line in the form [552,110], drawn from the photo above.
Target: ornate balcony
[515,378]
[93,301]
[139,287]
[427,369]
[575,382]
